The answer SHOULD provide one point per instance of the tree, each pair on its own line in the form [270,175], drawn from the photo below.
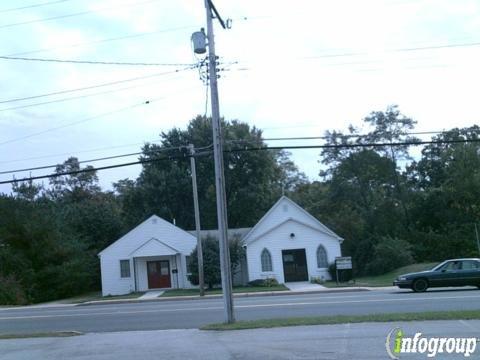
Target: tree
[447,198]
[253,179]
[77,184]
[211,260]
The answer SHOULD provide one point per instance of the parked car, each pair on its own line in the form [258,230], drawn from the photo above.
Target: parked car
[455,272]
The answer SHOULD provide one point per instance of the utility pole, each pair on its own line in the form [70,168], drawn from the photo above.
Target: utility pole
[201,281]
[219,171]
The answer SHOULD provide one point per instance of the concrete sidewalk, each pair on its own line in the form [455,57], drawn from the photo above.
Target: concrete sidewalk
[304,286]
[343,341]
[235,295]
[197,297]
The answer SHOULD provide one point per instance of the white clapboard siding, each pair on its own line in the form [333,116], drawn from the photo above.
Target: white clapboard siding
[273,232]
[153,237]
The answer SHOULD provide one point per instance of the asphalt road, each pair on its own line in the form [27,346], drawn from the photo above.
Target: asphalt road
[186,314]
[324,342]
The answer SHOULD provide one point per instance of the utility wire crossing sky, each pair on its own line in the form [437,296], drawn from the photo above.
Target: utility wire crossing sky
[290,71]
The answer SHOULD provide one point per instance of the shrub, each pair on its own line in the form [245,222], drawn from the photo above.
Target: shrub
[11,291]
[343,275]
[389,254]
[268,282]
[211,260]
[317,280]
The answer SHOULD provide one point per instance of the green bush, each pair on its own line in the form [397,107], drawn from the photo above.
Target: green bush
[268,282]
[211,261]
[343,275]
[389,254]
[11,291]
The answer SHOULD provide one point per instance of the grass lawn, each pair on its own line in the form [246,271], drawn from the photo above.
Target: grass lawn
[238,289]
[385,279]
[40,335]
[97,296]
[342,319]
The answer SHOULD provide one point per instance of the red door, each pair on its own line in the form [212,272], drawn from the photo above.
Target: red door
[158,274]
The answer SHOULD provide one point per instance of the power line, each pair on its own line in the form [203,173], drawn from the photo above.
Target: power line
[96,86]
[118,38]
[261,148]
[93,62]
[78,152]
[145,161]
[71,124]
[366,53]
[81,121]
[105,158]
[91,160]
[80,13]
[33,6]
[346,136]
[80,97]
[360,145]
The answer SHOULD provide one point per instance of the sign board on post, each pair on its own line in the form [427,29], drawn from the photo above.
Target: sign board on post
[343,263]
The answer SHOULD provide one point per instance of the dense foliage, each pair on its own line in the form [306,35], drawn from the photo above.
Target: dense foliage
[211,261]
[391,208]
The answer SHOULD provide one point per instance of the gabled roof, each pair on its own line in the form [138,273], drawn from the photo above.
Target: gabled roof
[157,228]
[276,217]
[289,219]
[153,247]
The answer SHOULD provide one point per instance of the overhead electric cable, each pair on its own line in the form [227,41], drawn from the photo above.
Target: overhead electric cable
[104,158]
[96,86]
[80,97]
[359,145]
[71,124]
[93,62]
[80,13]
[245,149]
[32,6]
[118,38]
[77,152]
[82,121]
[145,161]
[91,160]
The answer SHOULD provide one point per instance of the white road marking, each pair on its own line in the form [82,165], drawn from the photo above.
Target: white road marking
[468,325]
[238,302]
[242,307]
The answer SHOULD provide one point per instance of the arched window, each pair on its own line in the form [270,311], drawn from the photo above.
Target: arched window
[322,261]
[266,260]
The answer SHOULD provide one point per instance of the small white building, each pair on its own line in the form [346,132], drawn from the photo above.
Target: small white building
[151,256]
[287,244]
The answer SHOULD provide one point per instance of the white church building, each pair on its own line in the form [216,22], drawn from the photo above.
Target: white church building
[287,244]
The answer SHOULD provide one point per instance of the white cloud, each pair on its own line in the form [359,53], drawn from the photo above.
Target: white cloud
[281,91]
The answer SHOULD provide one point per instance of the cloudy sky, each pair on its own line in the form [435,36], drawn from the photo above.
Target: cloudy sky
[301,68]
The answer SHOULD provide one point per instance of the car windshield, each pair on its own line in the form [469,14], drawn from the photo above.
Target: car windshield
[439,266]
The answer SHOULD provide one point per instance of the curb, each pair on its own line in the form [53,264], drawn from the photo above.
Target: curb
[218,296]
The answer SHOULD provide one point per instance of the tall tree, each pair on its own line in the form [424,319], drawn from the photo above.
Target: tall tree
[253,179]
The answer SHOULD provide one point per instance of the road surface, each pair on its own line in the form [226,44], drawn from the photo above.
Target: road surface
[334,342]
[188,314]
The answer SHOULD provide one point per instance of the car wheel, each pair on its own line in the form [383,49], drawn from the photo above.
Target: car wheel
[420,285]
